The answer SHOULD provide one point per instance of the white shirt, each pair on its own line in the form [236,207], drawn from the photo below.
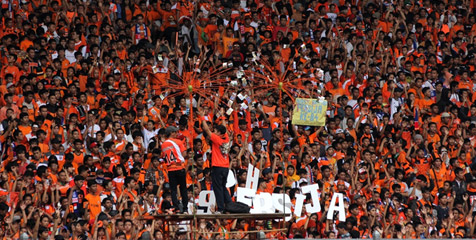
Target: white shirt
[91,131]
[148,135]
[186,31]
[418,193]
[394,104]
[70,56]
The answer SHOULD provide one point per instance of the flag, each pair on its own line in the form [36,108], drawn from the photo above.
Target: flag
[416,123]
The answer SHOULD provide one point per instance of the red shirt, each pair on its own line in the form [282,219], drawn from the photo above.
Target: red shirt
[220,147]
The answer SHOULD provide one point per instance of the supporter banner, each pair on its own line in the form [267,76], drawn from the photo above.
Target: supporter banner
[276,202]
[310,112]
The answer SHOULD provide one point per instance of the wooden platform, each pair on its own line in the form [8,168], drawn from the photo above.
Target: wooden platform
[184,217]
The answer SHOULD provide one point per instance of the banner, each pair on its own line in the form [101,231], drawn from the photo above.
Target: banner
[310,112]
[276,202]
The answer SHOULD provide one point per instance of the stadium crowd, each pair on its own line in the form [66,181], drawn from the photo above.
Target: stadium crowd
[102,124]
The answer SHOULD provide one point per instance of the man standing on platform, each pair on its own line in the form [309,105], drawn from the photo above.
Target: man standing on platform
[173,150]
[220,163]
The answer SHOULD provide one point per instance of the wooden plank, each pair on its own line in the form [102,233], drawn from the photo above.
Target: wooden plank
[249,231]
[260,216]
[182,217]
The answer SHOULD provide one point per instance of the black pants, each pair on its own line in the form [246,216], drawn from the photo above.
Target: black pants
[219,177]
[178,178]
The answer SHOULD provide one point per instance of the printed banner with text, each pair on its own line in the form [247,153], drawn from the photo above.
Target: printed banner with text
[310,112]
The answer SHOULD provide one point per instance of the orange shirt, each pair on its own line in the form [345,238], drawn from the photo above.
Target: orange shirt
[422,165]
[118,182]
[174,159]
[78,159]
[219,159]
[337,92]
[120,145]
[93,204]
[24,129]
[25,44]
[433,139]
[424,103]
[439,177]
[228,44]
[159,78]
[11,70]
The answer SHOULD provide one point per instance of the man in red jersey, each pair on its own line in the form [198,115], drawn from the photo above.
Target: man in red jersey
[220,163]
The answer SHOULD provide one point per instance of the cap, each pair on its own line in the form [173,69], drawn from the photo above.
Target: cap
[339,131]
[93,112]
[362,170]
[10,85]
[170,129]
[266,171]
[445,114]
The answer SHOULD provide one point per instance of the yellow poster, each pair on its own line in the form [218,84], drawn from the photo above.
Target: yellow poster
[310,112]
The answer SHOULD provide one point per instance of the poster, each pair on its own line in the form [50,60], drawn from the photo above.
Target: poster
[309,112]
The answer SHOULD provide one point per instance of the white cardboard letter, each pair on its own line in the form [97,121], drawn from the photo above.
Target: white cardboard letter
[202,201]
[230,181]
[262,203]
[245,195]
[252,178]
[282,202]
[315,206]
[299,202]
[340,208]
